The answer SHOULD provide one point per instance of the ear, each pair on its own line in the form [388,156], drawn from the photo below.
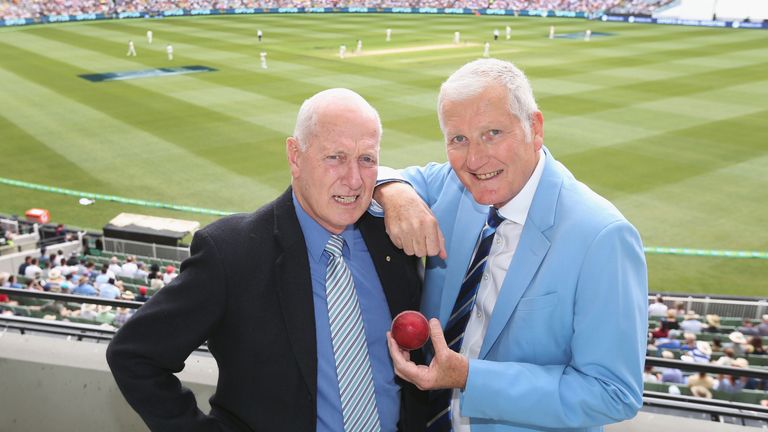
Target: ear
[292,150]
[537,130]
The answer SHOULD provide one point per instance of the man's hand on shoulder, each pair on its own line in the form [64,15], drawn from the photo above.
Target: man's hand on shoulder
[410,223]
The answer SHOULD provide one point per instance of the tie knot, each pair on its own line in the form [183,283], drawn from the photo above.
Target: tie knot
[334,245]
[494,218]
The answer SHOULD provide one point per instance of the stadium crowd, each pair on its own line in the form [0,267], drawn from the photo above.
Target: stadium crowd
[35,9]
[113,279]
[682,334]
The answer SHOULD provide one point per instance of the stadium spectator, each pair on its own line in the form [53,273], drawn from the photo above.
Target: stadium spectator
[84,288]
[691,323]
[142,297]
[668,326]
[738,343]
[727,358]
[34,285]
[702,379]
[128,269]
[23,266]
[154,272]
[762,328]
[109,290]
[4,279]
[54,281]
[748,328]
[651,376]
[730,383]
[122,316]
[756,342]
[170,274]
[713,323]
[156,284]
[12,282]
[701,392]
[114,266]
[680,309]
[104,276]
[671,375]
[657,308]
[67,285]
[717,344]
[141,271]
[33,270]
[689,343]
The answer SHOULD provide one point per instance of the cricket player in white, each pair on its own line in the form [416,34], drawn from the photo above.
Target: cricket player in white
[551,32]
[389,34]
[509,32]
[131,49]
[263,57]
[169,51]
[456,37]
[149,37]
[487,49]
[342,51]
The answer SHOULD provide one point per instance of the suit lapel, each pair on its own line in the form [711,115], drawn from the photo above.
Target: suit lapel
[294,289]
[401,292]
[470,220]
[530,253]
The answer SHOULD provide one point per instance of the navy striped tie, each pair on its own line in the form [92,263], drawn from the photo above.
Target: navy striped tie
[440,400]
[353,366]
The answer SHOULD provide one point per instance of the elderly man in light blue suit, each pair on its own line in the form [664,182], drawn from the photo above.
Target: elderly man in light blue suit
[555,334]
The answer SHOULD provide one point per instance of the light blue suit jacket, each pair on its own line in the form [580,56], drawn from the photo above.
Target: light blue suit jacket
[566,342]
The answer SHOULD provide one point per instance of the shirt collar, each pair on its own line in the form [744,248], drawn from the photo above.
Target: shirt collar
[316,237]
[516,210]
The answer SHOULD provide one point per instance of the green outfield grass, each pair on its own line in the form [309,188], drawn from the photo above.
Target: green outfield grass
[670,123]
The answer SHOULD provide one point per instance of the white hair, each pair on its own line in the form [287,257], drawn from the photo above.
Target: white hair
[306,120]
[476,76]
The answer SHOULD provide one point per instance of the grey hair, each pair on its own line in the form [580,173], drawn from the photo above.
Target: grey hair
[306,120]
[476,76]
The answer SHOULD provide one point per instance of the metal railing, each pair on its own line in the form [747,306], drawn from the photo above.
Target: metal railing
[725,306]
[150,250]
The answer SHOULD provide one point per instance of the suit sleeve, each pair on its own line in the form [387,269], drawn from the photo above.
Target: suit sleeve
[153,345]
[603,382]
[427,181]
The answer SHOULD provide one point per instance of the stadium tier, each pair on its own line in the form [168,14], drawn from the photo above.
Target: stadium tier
[35,9]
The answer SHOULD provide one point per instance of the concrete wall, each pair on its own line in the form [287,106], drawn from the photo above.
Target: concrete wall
[52,384]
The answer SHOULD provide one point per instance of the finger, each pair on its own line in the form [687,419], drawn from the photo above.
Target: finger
[436,334]
[443,252]
[433,241]
[408,246]
[419,247]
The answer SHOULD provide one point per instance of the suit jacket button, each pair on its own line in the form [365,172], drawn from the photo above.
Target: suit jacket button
[388,258]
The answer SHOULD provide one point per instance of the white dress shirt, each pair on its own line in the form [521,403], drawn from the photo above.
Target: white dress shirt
[503,249]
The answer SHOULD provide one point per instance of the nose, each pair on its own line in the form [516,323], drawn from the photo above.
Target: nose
[477,155]
[352,178]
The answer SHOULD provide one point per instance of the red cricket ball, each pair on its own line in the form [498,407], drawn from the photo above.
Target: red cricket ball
[410,329]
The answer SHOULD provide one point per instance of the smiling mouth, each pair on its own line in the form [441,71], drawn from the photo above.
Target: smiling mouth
[346,199]
[488,176]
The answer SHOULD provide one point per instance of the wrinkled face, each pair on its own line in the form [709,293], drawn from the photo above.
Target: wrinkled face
[487,147]
[333,179]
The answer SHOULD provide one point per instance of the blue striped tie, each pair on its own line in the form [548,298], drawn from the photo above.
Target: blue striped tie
[353,366]
[440,400]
